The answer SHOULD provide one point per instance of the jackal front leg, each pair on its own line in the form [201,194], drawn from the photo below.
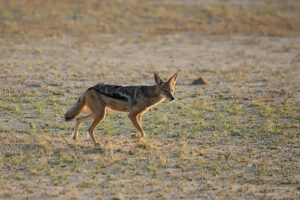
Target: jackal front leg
[135,119]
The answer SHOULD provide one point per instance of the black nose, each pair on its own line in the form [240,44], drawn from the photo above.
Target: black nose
[172,99]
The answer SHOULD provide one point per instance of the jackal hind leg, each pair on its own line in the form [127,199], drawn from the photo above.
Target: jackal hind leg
[136,119]
[97,108]
[79,121]
[97,119]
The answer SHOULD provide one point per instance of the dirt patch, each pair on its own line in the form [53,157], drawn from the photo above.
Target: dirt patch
[200,81]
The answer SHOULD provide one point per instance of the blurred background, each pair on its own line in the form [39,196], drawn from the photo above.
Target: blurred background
[40,18]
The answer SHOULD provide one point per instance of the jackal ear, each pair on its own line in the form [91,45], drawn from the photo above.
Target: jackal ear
[157,79]
[173,78]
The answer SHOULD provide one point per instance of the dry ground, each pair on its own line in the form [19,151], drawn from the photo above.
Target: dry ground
[236,138]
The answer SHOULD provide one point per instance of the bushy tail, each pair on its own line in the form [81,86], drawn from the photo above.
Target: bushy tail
[76,109]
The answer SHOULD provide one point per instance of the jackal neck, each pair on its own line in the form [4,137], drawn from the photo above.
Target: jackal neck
[150,91]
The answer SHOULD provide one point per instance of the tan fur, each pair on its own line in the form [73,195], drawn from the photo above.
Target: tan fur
[76,109]
[97,104]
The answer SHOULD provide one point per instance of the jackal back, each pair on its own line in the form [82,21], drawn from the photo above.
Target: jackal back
[129,94]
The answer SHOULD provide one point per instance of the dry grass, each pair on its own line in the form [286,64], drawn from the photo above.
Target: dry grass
[237,137]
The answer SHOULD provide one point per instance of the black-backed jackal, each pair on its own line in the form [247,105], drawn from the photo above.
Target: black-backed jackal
[133,99]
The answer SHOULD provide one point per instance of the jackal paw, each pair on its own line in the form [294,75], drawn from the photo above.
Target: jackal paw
[136,136]
[97,144]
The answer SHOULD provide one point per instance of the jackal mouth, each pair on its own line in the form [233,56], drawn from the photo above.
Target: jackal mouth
[170,98]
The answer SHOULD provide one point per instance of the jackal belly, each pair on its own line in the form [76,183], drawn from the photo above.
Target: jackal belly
[115,104]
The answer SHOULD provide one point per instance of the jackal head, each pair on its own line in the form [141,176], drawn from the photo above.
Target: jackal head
[166,88]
